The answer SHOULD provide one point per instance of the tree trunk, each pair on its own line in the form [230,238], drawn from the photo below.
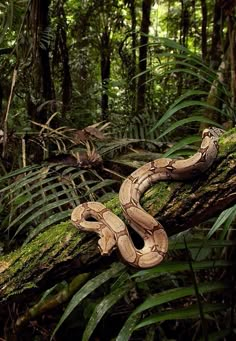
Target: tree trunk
[43,86]
[232,55]
[47,82]
[224,58]
[216,43]
[1,98]
[105,71]
[133,79]
[61,55]
[204,29]
[184,30]
[141,93]
[62,251]
[184,23]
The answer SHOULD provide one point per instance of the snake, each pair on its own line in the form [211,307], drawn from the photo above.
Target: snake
[113,232]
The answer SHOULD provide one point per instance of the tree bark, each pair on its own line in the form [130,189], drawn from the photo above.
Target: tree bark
[41,69]
[232,55]
[105,71]
[63,251]
[204,29]
[216,44]
[184,23]
[47,82]
[61,55]
[146,11]
[133,81]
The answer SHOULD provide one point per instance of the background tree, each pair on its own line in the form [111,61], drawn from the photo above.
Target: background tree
[145,23]
[41,82]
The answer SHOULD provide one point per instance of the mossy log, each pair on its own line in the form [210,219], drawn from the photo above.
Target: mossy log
[62,251]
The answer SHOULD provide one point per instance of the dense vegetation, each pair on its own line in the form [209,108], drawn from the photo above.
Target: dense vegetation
[89,91]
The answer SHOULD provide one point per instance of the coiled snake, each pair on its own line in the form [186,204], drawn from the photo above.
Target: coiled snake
[113,231]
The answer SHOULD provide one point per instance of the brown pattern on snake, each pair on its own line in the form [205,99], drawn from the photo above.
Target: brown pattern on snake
[113,231]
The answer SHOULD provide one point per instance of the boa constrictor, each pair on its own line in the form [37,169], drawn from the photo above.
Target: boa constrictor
[112,230]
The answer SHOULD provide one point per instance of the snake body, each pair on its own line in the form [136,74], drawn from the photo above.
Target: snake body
[113,231]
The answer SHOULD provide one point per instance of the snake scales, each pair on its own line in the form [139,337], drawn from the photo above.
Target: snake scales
[113,231]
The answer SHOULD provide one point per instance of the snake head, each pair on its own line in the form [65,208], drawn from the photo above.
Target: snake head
[213,132]
[107,242]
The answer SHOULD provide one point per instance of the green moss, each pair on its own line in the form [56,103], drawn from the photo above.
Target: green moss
[54,245]
[114,205]
[227,142]
[157,196]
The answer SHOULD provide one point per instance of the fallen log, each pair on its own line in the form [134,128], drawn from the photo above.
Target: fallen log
[62,251]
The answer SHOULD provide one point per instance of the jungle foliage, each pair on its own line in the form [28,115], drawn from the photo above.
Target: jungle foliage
[89,91]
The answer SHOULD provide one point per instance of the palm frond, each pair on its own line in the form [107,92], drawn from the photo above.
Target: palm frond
[37,197]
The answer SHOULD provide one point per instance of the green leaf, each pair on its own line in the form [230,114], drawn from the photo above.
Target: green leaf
[182,143]
[191,312]
[188,120]
[227,226]
[40,212]
[173,294]
[26,180]
[187,94]
[128,327]
[189,65]
[168,267]
[100,185]
[185,104]
[18,172]
[87,289]
[164,297]
[219,335]
[53,219]
[42,205]
[190,72]
[229,213]
[102,308]
[29,196]
[203,243]
[174,45]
